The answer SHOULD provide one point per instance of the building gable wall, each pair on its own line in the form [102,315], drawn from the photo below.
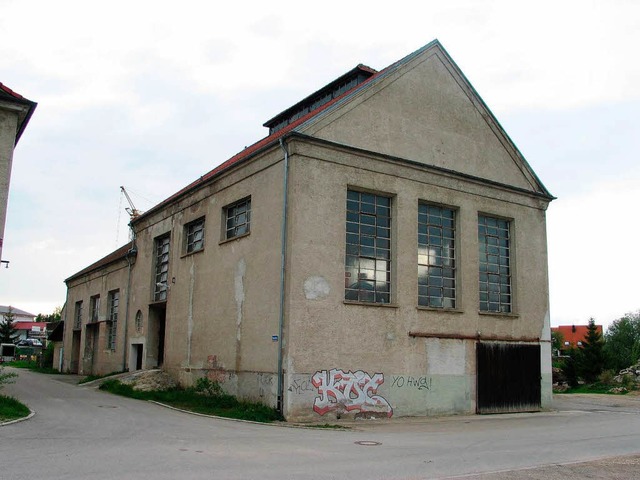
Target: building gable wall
[377,339]
[426,112]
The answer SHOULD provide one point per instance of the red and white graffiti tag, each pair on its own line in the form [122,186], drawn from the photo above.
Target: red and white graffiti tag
[349,391]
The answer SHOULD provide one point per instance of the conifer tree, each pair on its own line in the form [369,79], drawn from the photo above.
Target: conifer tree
[592,355]
[8,333]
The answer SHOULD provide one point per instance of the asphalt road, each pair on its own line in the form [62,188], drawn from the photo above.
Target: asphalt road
[80,432]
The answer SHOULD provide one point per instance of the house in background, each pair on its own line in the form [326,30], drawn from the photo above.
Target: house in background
[25,324]
[18,315]
[15,112]
[381,252]
[573,335]
[31,330]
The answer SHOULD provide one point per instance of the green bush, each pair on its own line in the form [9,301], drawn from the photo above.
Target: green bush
[208,387]
[47,356]
[606,377]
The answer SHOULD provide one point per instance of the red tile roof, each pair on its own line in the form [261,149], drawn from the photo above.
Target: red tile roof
[574,333]
[273,138]
[29,325]
[24,117]
[10,92]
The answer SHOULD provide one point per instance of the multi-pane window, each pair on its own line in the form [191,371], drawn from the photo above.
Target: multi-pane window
[77,316]
[162,269]
[195,235]
[94,306]
[436,257]
[112,317]
[495,267]
[368,248]
[238,218]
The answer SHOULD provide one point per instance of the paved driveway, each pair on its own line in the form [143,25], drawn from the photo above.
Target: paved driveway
[79,432]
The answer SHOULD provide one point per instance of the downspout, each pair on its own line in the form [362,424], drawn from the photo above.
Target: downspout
[283,257]
[132,251]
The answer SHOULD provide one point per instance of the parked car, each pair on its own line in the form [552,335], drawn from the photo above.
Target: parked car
[29,342]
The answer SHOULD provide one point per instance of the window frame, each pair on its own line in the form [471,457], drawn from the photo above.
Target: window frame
[94,309]
[161,276]
[437,286]
[113,304]
[189,246]
[368,252]
[77,315]
[498,266]
[228,213]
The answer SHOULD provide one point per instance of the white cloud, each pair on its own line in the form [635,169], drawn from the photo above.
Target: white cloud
[594,258]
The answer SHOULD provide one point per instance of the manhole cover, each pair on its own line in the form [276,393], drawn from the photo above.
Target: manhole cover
[368,443]
[107,406]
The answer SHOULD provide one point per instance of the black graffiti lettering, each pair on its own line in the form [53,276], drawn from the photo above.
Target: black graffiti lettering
[300,387]
[419,383]
[397,381]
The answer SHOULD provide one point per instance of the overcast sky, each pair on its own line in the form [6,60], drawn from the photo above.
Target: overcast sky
[153,94]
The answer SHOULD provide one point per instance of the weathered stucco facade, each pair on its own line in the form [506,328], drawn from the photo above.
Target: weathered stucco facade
[379,253]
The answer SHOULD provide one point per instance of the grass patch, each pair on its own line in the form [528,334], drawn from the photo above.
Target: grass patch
[12,409]
[33,366]
[219,404]
[91,378]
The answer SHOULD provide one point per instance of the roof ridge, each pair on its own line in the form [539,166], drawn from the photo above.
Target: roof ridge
[262,143]
[117,254]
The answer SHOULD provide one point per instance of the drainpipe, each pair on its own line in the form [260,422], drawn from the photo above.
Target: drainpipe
[132,251]
[283,255]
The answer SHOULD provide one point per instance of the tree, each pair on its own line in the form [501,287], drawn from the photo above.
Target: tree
[569,366]
[622,342]
[8,333]
[557,342]
[52,317]
[591,361]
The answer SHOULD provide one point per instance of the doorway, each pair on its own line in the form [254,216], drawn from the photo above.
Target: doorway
[74,366]
[156,334]
[137,350]
[508,377]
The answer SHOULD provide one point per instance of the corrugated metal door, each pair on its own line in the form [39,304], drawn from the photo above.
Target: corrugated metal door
[508,377]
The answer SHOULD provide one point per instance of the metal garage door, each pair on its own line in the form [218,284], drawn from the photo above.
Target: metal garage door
[508,377]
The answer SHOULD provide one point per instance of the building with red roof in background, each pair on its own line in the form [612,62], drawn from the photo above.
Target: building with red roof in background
[573,335]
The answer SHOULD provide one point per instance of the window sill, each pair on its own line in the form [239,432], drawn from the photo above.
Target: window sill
[370,304]
[440,310]
[227,240]
[195,252]
[498,314]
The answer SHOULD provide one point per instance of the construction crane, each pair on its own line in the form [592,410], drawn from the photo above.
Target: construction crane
[132,210]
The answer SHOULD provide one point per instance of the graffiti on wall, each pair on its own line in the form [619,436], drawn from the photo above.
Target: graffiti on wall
[418,383]
[300,386]
[349,391]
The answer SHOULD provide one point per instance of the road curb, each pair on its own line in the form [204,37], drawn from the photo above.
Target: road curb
[17,420]
[240,420]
